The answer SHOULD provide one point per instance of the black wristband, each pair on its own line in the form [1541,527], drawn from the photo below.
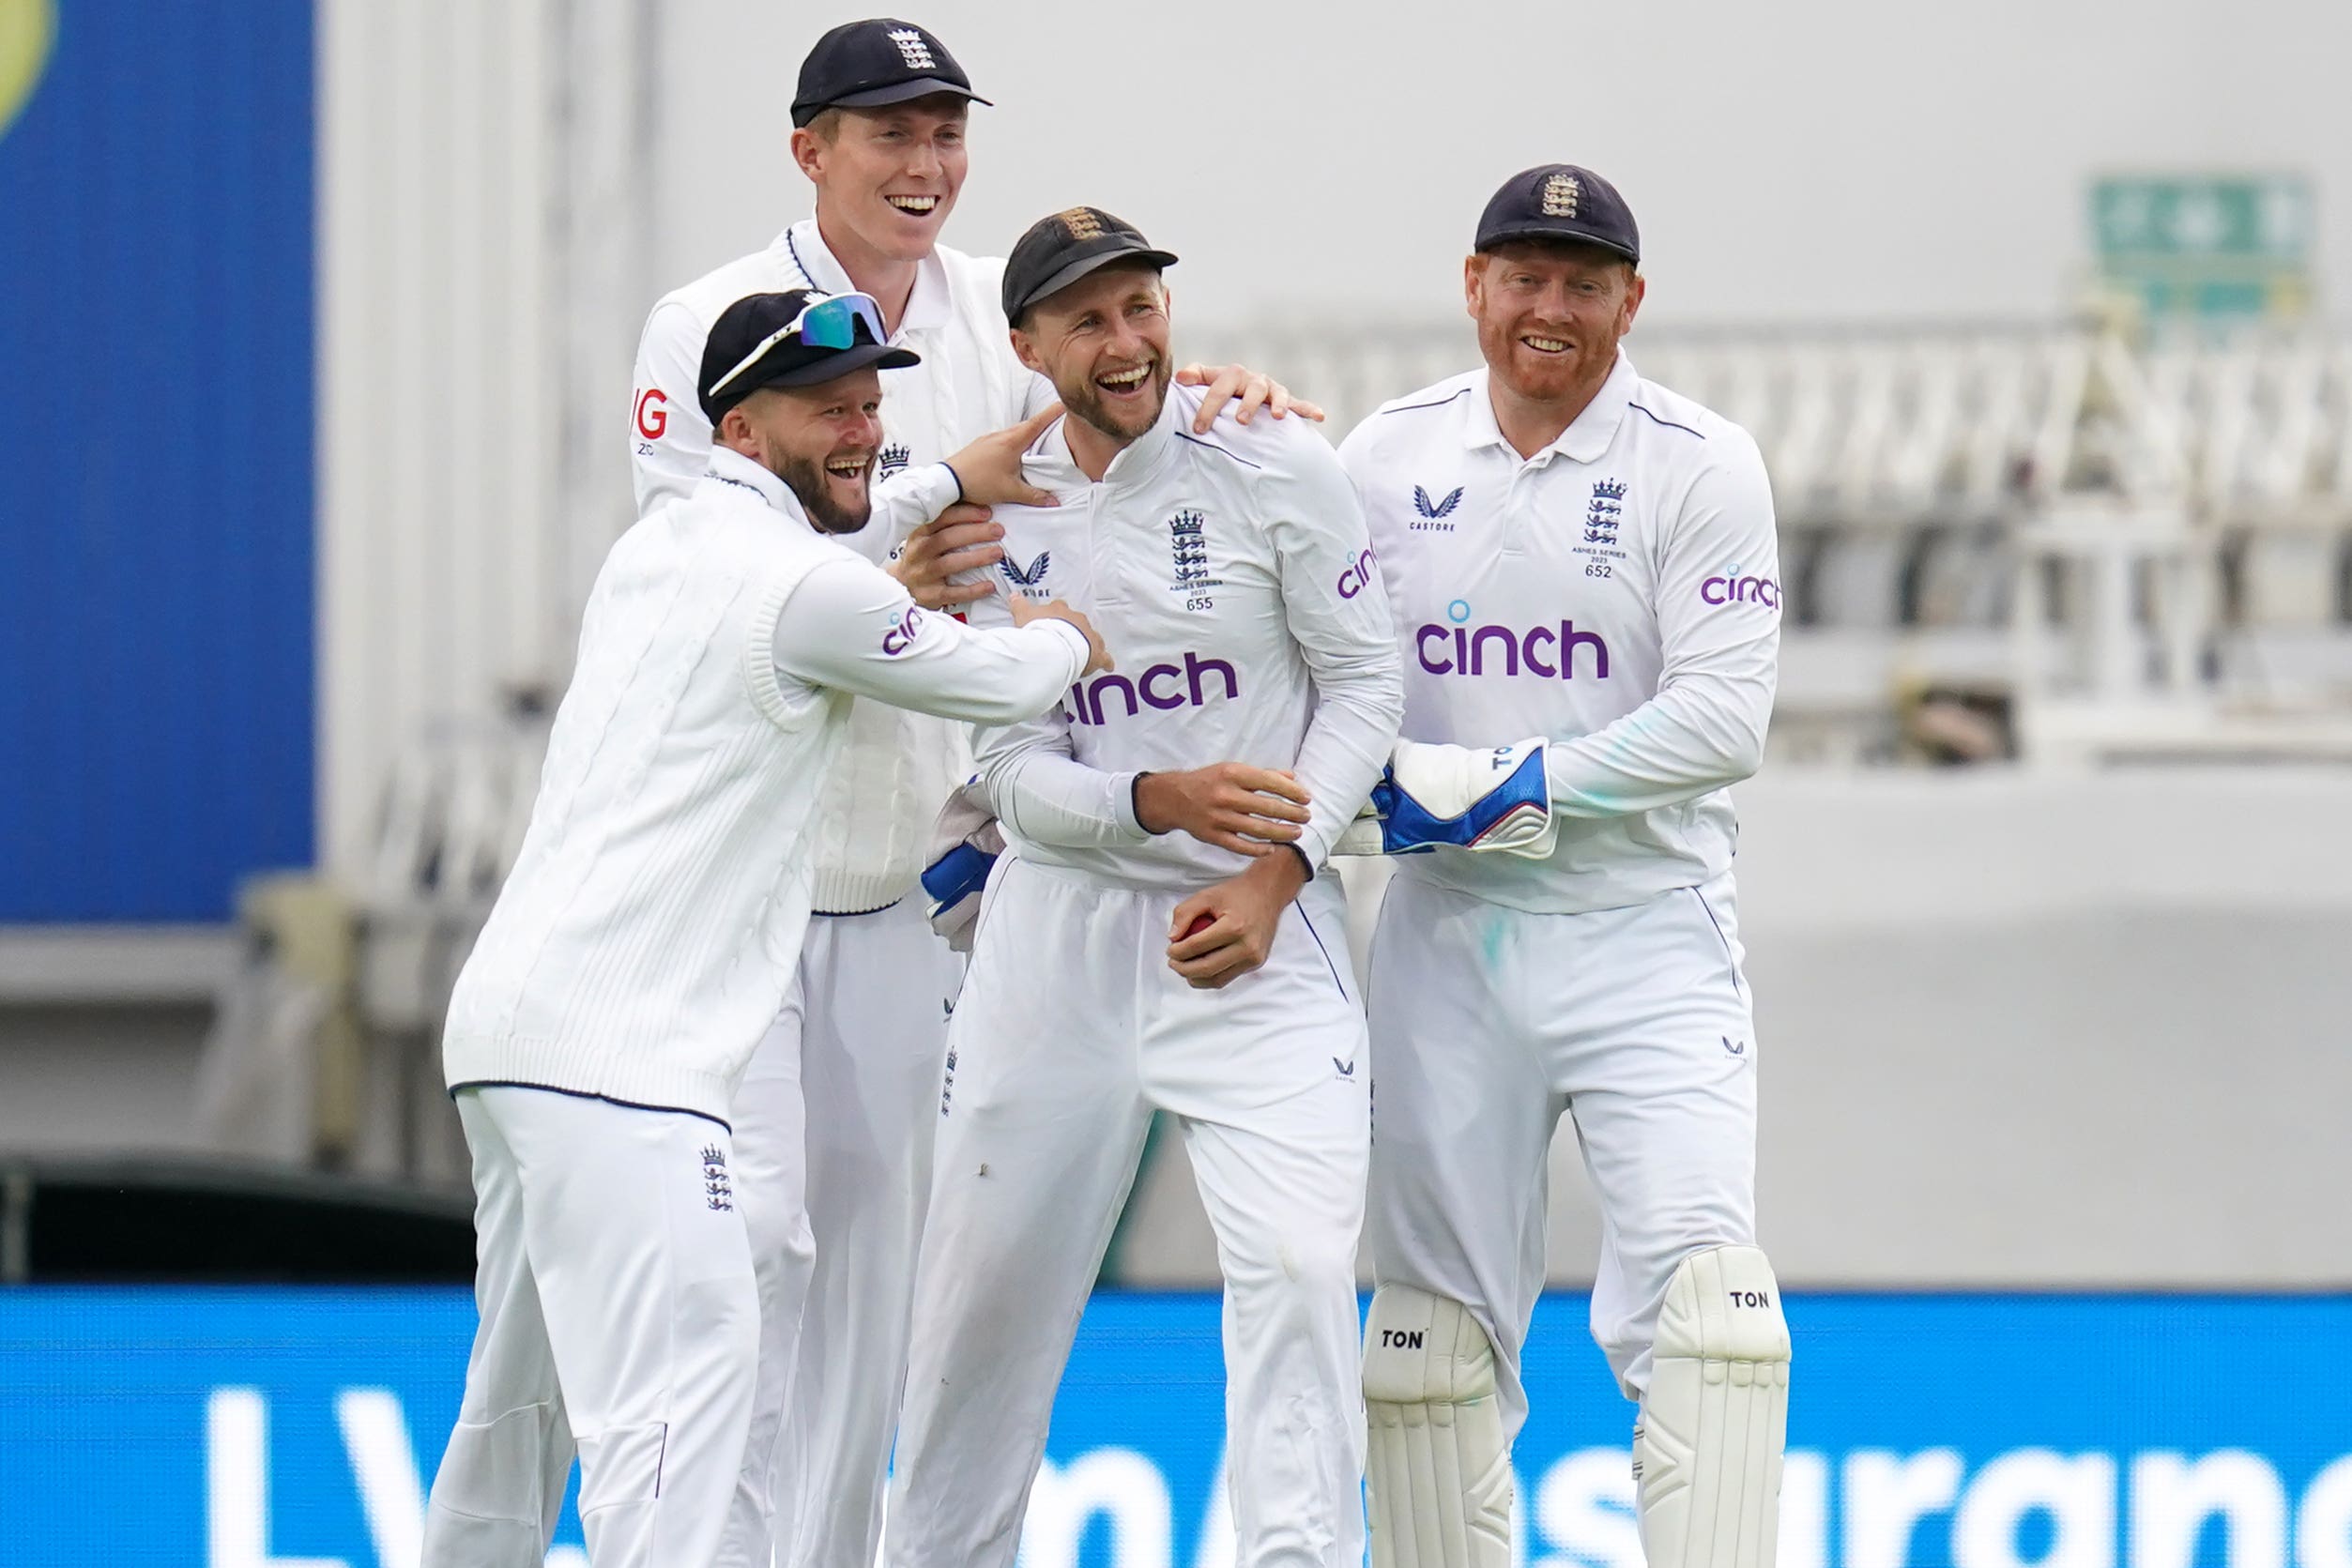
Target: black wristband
[1134,800]
[1303,860]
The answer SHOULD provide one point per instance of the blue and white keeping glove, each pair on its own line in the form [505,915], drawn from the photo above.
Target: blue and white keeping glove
[1494,799]
[965,845]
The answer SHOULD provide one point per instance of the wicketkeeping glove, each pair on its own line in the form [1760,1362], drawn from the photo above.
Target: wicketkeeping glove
[1490,800]
[965,845]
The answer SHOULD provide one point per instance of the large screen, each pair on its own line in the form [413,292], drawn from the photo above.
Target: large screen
[298,1428]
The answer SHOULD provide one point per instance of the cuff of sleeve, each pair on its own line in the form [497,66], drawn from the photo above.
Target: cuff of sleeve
[934,487]
[1075,640]
[1311,847]
[1123,805]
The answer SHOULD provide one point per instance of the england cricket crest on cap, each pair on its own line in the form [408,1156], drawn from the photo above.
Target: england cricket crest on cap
[1561,195]
[1188,552]
[913,48]
[1081,224]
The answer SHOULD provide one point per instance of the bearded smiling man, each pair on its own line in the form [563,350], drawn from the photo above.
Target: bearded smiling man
[647,934]
[1583,565]
[880,115]
[1162,933]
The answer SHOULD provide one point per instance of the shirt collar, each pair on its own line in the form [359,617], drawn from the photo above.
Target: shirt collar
[1588,435]
[929,306]
[732,468]
[1139,461]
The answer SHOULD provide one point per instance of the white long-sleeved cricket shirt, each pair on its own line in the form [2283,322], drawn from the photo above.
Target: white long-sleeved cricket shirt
[1618,592]
[1231,576]
[896,769]
[653,923]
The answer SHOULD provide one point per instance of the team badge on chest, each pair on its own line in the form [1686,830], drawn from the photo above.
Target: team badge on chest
[1188,555]
[1602,514]
[890,460]
[1604,511]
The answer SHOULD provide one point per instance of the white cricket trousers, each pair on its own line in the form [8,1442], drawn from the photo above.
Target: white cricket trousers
[1488,1023]
[1070,1030]
[833,1124]
[615,1289]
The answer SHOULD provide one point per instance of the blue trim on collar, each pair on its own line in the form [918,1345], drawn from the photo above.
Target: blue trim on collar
[1408,408]
[1668,423]
[1186,436]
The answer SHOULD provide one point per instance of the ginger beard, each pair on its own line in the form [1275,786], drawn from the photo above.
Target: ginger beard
[1550,316]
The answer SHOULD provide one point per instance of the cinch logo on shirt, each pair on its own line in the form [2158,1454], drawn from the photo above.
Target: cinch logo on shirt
[1162,686]
[1357,577]
[1741,590]
[901,637]
[1478,650]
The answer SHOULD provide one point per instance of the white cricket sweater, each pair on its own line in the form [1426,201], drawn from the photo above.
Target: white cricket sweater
[896,769]
[653,923]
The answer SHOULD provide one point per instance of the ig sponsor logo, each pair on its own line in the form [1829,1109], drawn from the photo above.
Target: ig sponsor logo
[653,413]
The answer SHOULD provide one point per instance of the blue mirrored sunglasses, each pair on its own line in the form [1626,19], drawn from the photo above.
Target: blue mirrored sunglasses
[830,322]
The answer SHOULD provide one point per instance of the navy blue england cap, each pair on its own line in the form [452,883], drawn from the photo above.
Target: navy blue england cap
[1057,252]
[797,338]
[881,60]
[1560,201]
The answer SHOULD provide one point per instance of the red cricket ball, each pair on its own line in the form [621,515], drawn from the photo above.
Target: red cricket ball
[1200,923]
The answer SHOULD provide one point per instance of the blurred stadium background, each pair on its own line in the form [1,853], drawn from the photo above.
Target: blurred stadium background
[315,321]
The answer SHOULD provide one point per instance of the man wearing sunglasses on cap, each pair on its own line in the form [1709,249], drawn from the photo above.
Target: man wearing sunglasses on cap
[879,132]
[648,934]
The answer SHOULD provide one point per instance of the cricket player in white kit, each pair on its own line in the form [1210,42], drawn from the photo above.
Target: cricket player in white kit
[648,932]
[881,116]
[1585,576]
[1252,630]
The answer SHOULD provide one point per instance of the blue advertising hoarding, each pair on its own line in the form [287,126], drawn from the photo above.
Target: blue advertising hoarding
[156,536]
[298,1428]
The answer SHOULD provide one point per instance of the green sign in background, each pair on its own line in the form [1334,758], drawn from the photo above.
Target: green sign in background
[2206,245]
